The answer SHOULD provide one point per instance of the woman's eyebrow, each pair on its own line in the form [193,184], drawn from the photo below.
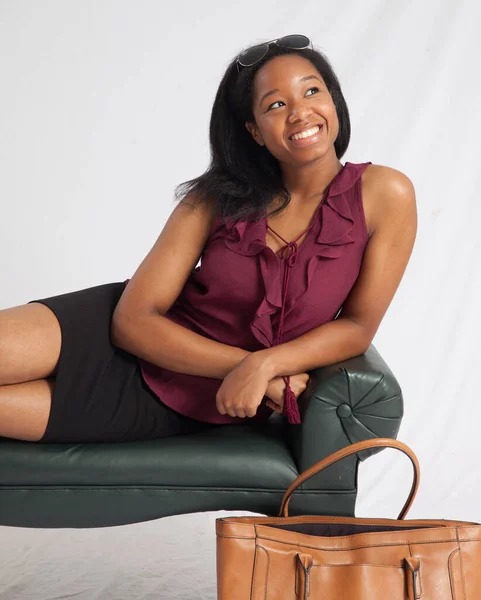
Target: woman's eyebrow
[276,90]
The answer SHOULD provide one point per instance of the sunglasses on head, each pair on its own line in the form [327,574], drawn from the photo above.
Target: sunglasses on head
[254,54]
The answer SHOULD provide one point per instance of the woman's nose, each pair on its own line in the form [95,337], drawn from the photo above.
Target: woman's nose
[299,112]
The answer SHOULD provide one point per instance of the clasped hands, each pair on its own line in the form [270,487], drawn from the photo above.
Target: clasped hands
[243,388]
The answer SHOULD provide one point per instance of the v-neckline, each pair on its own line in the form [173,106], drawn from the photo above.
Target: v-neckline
[309,228]
[306,231]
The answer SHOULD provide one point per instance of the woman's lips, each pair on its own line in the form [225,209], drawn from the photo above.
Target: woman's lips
[307,141]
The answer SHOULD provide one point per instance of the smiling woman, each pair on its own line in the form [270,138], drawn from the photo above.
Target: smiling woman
[256,108]
[305,302]
[301,257]
[311,122]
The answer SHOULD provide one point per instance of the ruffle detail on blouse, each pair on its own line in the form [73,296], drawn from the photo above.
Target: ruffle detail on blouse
[332,228]
[244,237]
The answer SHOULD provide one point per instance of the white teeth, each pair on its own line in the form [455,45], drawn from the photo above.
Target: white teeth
[304,134]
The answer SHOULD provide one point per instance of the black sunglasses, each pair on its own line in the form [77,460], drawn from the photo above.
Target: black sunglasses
[254,54]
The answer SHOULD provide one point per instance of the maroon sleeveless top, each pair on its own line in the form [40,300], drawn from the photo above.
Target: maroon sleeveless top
[244,294]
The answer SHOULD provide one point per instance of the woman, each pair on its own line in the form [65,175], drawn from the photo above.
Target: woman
[301,257]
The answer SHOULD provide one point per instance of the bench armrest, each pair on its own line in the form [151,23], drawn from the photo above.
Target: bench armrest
[346,402]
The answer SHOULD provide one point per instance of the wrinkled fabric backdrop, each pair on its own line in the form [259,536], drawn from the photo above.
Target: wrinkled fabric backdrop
[104,108]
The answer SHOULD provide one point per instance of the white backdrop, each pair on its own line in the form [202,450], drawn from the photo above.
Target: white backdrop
[104,108]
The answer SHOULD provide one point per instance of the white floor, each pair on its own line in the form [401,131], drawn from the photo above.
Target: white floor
[171,558]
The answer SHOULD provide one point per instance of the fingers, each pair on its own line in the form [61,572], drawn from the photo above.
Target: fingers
[274,406]
[242,412]
[231,411]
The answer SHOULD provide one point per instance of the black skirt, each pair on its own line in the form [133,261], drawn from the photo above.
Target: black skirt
[99,393]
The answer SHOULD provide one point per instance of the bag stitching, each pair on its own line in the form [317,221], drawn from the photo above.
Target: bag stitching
[357,565]
[462,563]
[253,569]
[359,547]
[267,571]
[451,579]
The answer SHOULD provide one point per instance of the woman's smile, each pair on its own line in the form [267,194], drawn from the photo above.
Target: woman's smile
[307,138]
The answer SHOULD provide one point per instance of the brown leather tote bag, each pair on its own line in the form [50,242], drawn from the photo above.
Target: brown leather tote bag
[348,558]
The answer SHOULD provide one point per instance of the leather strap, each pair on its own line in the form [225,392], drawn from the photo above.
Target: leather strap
[304,562]
[348,451]
[412,570]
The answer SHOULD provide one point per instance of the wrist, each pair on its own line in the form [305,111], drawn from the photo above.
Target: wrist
[264,361]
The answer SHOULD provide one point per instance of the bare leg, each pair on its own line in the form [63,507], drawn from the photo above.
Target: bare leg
[30,341]
[25,409]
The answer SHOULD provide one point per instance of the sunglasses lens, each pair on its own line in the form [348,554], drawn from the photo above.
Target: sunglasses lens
[252,55]
[294,41]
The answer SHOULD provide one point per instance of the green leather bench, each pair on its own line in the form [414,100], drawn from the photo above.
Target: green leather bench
[237,467]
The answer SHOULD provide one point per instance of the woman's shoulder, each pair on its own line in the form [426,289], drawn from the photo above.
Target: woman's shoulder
[384,190]
[385,179]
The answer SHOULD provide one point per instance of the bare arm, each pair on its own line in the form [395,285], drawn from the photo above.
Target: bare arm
[384,263]
[167,344]
[138,324]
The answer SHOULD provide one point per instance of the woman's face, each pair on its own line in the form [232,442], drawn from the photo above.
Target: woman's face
[289,95]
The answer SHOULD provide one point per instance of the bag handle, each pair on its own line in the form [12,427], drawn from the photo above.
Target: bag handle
[348,451]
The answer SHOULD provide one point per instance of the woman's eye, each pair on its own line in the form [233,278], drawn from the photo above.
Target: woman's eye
[312,88]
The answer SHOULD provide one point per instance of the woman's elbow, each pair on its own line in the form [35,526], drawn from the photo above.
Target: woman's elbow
[120,326]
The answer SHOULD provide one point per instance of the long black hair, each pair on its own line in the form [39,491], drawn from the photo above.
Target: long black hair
[243,178]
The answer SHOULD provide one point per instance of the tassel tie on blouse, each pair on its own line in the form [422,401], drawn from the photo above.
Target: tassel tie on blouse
[291,408]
